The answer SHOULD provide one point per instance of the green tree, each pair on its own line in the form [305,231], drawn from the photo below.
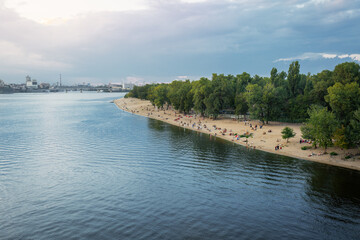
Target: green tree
[293,77]
[347,72]
[355,128]
[200,90]
[321,126]
[288,133]
[241,106]
[344,100]
[254,98]
[340,138]
[221,95]
[160,95]
[308,133]
[242,80]
[174,94]
[321,82]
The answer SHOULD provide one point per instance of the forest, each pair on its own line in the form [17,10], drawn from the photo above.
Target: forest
[327,103]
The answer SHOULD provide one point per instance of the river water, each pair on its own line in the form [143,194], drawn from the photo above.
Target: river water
[74,166]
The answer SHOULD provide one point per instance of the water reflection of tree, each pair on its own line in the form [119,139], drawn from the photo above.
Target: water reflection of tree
[156,124]
[206,148]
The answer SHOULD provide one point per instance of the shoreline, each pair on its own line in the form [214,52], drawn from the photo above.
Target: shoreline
[264,139]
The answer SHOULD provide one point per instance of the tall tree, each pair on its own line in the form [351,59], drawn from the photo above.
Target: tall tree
[293,78]
[200,89]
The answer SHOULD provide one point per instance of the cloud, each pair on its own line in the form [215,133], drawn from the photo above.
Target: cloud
[166,39]
[316,56]
[12,55]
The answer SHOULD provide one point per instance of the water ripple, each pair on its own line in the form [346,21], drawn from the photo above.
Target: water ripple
[76,167]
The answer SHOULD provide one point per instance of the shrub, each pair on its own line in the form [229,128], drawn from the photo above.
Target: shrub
[305,147]
[333,154]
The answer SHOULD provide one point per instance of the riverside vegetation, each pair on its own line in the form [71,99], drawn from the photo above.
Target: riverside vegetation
[328,103]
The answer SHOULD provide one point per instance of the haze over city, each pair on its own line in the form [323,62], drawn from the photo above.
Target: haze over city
[159,41]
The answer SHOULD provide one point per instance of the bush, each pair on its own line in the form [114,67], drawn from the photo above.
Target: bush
[305,147]
[246,135]
[333,154]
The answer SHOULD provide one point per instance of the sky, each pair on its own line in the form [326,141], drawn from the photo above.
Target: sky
[159,41]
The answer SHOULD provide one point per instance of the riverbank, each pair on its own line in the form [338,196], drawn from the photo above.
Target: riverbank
[265,138]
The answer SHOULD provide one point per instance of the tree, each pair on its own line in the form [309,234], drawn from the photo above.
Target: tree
[254,98]
[321,82]
[307,133]
[344,100]
[321,126]
[174,94]
[355,128]
[288,133]
[340,138]
[160,95]
[221,95]
[200,90]
[347,72]
[294,78]
[241,106]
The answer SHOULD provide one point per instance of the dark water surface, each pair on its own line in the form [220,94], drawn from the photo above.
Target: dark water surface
[73,166]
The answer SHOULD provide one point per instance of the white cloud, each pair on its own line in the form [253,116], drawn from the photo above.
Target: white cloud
[12,55]
[161,39]
[45,10]
[355,57]
[314,56]
[182,77]
[329,56]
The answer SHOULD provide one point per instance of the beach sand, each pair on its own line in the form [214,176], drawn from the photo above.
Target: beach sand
[262,139]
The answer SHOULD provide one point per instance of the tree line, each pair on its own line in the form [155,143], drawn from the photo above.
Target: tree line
[327,102]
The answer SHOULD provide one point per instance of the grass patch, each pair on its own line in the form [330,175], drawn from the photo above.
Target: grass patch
[246,135]
[305,147]
[333,154]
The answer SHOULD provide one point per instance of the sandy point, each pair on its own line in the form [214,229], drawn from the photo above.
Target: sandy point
[263,137]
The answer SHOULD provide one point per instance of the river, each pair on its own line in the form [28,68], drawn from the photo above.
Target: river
[74,166]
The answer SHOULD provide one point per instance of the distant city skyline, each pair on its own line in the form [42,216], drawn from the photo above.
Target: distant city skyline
[159,41]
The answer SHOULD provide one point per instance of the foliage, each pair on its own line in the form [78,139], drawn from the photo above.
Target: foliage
[355,128]
[333,154]
[200,90]
[344,99]
[294,77]
[305,147]
[280,97]
[320,126]
[340,138]
[347,72]
[288,133]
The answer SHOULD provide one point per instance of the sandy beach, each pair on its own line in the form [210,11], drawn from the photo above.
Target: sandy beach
[264,138]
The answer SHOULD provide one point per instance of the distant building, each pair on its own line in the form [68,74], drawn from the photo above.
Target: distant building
[2,84]
[128,86]
[32,84]
[115,87]
[44,85]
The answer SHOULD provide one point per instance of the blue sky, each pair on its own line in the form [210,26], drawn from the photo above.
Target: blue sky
[159,41]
